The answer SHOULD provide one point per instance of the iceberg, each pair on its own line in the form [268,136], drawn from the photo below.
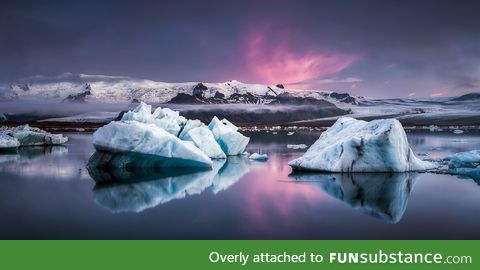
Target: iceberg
[352,145]
[203,138]
[165,138]
[8,142]
[31,136]
[227,136]
[190,124]
[164,118]
[381,195]
[259,157]
[296,146]
[149,140]
[464,164]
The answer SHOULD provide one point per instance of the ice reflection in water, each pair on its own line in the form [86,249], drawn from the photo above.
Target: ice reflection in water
[381,195]
[128,189]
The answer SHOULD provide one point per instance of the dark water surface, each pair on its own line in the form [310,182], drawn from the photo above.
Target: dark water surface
[48,193]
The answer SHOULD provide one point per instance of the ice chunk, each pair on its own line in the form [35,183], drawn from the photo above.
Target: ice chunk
[164,118]
[142,113]
[190,124]
[458,131]
[148,139]
[464,163]
[352,145]
[203,138]
[7,141]
[227,136]
[290,133]
[434,128]
[169,120]
[259,157]
[30,136]
[297,146]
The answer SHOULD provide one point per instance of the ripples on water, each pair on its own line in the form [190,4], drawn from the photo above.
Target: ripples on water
[48,192]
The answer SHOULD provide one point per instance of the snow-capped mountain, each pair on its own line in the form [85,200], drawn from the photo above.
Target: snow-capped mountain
[115,89]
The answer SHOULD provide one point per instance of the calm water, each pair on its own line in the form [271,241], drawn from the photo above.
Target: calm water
[48,193]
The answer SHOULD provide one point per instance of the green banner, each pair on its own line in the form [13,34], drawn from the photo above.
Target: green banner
[248,254]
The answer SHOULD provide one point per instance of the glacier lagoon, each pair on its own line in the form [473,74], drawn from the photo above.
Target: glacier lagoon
[48,193]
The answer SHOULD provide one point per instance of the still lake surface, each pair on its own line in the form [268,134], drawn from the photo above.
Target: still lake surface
[47,193]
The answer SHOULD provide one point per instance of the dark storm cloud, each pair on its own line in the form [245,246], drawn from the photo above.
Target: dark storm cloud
[393,47]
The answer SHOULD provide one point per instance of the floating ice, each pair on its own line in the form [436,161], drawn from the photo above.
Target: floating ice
[31,136]
[464,163]
[167,138]
[227,136]
[297,146]
[164,118]
[458,131]
[203,138]
[190,124]
[352,145]
[7,141]
[259,157]
[434,128]
[290,133]
[148,139]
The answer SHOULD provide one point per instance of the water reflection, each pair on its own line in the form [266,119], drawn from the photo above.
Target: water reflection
[381,195]
[128,189]
[29,153]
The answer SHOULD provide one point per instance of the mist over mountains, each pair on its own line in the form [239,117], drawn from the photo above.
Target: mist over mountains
[91,97]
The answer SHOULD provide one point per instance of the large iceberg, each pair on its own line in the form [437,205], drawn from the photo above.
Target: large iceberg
[352,145]
[147,139]
[164,138]
[25,135]
[227,136]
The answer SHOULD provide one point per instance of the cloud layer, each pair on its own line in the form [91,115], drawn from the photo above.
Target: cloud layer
[391,48]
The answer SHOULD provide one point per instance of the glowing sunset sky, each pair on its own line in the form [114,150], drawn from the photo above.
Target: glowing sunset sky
[372,48]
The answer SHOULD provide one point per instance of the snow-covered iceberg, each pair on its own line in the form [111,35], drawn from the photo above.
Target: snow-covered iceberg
[165,138]
[352,145]
[227,136]
[381,195]
[25,135]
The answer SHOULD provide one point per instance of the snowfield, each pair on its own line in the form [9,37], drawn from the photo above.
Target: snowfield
[352,145]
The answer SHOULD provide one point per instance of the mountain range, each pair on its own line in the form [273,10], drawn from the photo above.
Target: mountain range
[241,102]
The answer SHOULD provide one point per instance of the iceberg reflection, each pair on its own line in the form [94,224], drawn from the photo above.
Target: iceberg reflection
[381,195]
[135,189]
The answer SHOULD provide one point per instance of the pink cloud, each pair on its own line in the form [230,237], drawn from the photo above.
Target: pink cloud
[273,61]
[437,94]
[412,94]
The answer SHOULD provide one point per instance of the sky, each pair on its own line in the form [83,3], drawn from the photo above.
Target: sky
[369,48]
